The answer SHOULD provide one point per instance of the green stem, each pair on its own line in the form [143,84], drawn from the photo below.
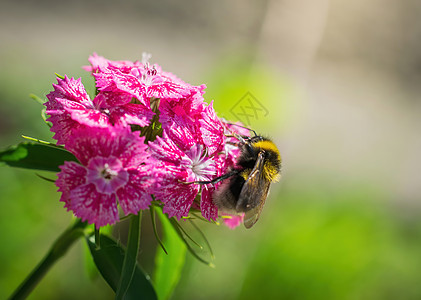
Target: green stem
[130,259]
[58,250]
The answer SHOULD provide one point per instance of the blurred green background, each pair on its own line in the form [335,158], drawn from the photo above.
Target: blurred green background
[337,85]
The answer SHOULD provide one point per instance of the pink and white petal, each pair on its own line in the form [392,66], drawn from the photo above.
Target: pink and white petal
[212,130]
[71,104]
[207,207]
[171,113]
[99,62]
[233,220]
[90,117]
[71,176]
[96,208]
[171,77]
[129,147]
[111,99]
[124,66]
[165,149]
[130,84]
[115,141]
[63,126]
[183,137]
[96,62]
[167,89]
[136,114]
[90,142]
[184,112]
[104,80]
[177,197]
[52,103]
[136,194]
[70,89]
[197,99]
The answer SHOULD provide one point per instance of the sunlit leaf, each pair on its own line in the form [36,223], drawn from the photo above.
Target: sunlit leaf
[153,220]
[90,267]
[109,261]
[89,264]
[130,258]
[168,267]
[36,156]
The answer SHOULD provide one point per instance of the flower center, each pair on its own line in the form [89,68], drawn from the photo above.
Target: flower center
[147,75]
[107,173]
[202,168]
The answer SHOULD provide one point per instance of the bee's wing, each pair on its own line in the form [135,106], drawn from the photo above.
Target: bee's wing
[254,193]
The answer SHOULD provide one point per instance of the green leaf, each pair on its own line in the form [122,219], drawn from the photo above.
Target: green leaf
[90,267]
[109,261]
[168,267]
[36,156]
[155,231]
[130,259]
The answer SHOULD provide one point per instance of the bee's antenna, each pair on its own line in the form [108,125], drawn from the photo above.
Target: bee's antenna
[255,134]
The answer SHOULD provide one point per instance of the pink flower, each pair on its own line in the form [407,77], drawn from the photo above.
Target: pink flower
[193,136]
[114,165]
[225,161]
[180,119]
[212,130]
[190,116]
[100,62]
[231,150]
[139,79]
[142,82]
[184,112]
[233,221]
[71,108]
[180,167]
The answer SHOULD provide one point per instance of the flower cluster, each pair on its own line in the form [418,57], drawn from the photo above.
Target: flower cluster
[146,135]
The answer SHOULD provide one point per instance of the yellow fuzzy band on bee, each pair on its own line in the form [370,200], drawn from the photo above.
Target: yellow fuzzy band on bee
[268,146]
[271,173]
[245,174]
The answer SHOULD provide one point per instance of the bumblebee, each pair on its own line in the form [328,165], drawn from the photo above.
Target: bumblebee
[245,187]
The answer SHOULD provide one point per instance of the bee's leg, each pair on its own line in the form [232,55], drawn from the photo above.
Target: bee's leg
[217,179]
[234,144]
[232,124]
